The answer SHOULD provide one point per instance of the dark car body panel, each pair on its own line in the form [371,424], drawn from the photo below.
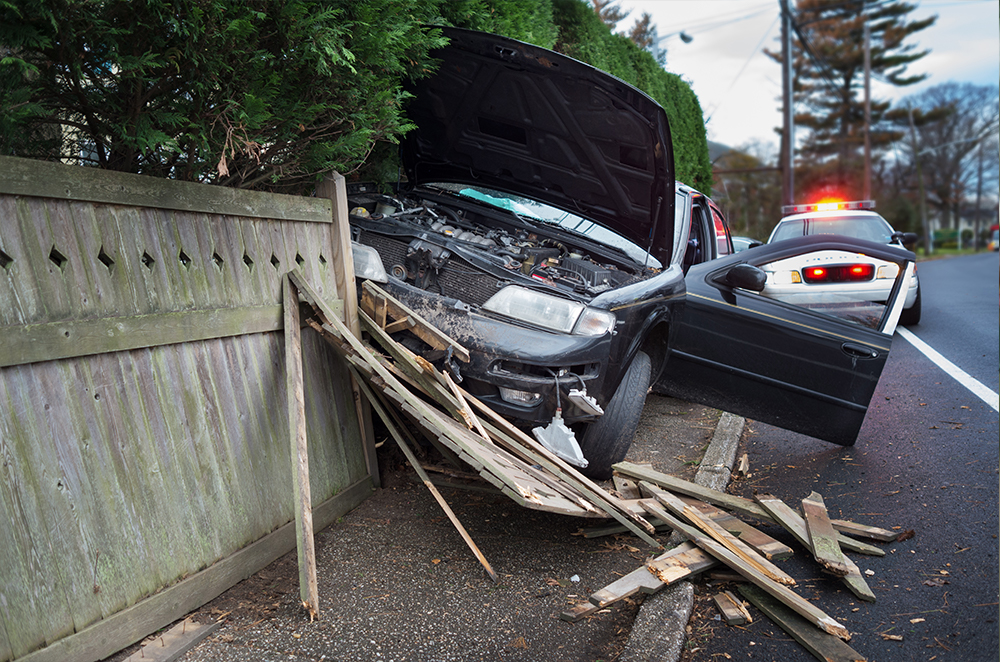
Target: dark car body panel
[776,362]
[511,116]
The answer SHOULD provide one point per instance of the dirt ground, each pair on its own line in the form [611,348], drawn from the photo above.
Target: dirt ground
[398,583]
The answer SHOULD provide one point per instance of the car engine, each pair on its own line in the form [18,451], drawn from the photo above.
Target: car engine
[467,251]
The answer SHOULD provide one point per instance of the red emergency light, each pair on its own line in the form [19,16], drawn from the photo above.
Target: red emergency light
[828,206]
[848,273]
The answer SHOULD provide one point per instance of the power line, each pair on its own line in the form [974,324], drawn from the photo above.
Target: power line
[725,95]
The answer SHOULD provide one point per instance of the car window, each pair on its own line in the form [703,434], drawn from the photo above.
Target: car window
[721,232]
[871,228]
[787,230]
[848,286]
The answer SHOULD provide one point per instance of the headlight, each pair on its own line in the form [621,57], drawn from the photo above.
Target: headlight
[550,312]
[887,271]
[368,264]
[785,277]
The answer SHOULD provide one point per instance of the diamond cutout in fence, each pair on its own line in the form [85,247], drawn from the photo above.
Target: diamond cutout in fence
[58,258]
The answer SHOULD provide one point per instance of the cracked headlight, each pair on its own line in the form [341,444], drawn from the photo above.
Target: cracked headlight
[550,312]
[368,264]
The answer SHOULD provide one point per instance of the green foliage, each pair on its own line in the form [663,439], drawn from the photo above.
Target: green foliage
[255,94]
[583,36]
[529,21]
[270,94]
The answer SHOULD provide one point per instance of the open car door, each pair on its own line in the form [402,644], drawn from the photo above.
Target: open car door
[804,358]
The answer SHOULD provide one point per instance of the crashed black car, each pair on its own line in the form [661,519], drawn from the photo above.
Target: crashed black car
[540,225]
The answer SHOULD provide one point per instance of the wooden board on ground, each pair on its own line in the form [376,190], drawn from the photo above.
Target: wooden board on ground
[766,546]
[720,535]
[796,602]
[732,609]
[686,559]
[727,501]
[823,646]
[174,643]
[822,537]
[794,524]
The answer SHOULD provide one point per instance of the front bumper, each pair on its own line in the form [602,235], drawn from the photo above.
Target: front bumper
[507,355]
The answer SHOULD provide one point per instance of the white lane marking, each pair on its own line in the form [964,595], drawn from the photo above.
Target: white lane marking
[965,379]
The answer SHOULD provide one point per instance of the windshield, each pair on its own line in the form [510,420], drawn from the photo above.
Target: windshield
[871,228]
[543,213]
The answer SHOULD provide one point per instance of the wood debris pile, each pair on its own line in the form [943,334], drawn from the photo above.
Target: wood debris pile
[715,537]
[406,391]
[402,385]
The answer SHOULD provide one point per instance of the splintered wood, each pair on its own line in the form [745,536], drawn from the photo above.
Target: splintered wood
[406,390]
[701,515]
[400,384]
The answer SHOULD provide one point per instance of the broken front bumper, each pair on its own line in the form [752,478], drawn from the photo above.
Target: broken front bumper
[513,368]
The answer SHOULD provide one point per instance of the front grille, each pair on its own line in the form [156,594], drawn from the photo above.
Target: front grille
[458,279]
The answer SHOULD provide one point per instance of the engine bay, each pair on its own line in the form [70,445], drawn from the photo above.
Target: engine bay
[456,247]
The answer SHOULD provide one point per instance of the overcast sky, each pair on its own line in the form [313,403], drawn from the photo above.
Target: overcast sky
[740,87]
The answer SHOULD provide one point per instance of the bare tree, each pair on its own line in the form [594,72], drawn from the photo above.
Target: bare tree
[643,33]
[949,148]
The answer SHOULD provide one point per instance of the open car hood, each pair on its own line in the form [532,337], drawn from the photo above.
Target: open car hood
[514,117]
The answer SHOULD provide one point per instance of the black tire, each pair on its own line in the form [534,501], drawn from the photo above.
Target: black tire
[606,441]
[911,315]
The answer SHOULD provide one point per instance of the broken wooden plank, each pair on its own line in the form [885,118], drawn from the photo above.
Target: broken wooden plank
[323,310]
[825,647]
[742,466]
[407,362]
[412,459]
[426,331]
[516,441]
[794,524]
[175,642]
[579,611]
[822,537]
[863,531]
[720,535]
[727,501]
[642,580]
[765,545]
[626,487]
[302,499]
[732,609]
[671,568]
[801,606]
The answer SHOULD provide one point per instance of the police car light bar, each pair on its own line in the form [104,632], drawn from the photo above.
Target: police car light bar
[828,206]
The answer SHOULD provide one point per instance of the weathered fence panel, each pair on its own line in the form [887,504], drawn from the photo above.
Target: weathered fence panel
[143,430]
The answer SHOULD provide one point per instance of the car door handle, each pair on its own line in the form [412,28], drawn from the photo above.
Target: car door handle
[862,351]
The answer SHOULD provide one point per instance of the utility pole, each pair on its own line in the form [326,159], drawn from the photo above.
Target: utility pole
[979,199]
[928,237]
[867,184]
[787,109]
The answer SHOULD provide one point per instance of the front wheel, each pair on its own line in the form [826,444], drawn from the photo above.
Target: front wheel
[911,315]
[607,440]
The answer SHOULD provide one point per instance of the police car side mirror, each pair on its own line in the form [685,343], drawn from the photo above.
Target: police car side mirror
[747,277]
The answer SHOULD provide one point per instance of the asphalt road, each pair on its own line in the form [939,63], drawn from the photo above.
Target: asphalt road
[927,460]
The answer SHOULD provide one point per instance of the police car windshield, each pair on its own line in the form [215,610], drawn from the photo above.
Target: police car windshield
[862,227]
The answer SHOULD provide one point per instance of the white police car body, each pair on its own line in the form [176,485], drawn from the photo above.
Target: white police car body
[829,279]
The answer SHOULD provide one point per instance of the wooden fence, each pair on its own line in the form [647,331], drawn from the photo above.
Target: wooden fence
[143,422]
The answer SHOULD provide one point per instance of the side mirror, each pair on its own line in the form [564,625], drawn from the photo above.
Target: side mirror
[747,277]
[905,238]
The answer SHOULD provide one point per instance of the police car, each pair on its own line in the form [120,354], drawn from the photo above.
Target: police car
[834,279]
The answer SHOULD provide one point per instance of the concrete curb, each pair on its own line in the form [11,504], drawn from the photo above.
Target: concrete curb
[659,631]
